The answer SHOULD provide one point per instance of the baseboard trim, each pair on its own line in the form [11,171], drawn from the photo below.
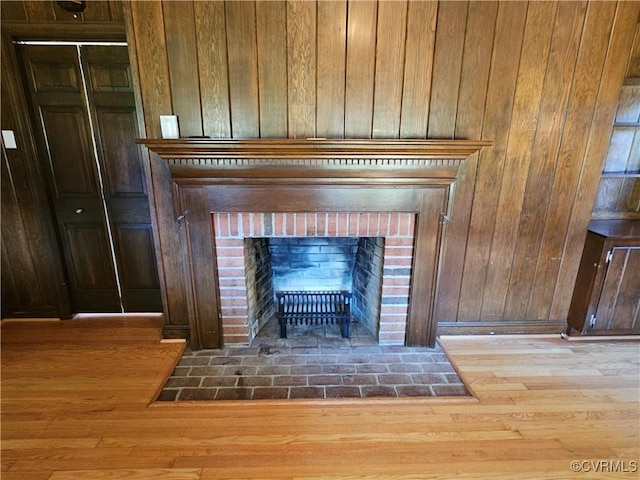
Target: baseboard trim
[502,328]
[176,332]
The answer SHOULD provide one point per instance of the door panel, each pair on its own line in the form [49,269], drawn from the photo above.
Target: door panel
[619,304]
[123,169]
[93,272]
[113,109]
[67,141]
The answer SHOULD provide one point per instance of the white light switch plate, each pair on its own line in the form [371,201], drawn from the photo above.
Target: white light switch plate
[9,139]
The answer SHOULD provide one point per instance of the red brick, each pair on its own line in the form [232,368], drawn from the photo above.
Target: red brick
[392,326]
[257,230]
[354,223]
[229,242]
[343,225]
[383,228]
[384,309]
[222,224]
[393,337]
[301,224]
[322,224]
[394,222]
[363,224]
[407,221]
[235,321]
[290,224]
[232,291]
[332,224]
[399,241]
[230,262]
[233,311]
[233,224]
[246,224]
[236,330]
[396,280]
[312,225]
[374,224]
[388,319]
[398,261]
[232,282]
[398,251]
[278,224]
[233,301]
[399,290]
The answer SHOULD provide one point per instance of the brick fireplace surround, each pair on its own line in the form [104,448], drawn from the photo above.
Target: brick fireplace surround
[230,230]
[226,190]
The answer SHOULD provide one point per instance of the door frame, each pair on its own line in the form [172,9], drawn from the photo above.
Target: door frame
[19,31]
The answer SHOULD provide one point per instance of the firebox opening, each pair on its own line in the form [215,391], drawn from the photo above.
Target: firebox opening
[314,264]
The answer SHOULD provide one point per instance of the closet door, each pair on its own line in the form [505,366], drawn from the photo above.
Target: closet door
[85,122]
[113,111]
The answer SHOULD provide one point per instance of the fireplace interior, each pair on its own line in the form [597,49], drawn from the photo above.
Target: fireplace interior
[330,265]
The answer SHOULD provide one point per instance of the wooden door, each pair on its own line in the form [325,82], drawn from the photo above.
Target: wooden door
[619,305]
[85,126]
[113,110]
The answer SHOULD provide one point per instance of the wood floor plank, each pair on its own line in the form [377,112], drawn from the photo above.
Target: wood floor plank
[77,408]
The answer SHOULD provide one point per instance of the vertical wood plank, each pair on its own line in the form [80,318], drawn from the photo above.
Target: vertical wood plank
[361,56]
[418,66]
[211,40]
[392,24]
[447,62]
[179,28]
[243,69]
[155,93]
[153,65]
[40,10]
[591,57]
[116,11]
[13,11]
[301,68]
[497,118]
[526,109]
[613,72]
[557,87]
[331,58]
[476,59]
[97,12]
[271,26]
[633,69]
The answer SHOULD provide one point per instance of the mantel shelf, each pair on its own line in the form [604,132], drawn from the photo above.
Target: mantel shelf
[312,148]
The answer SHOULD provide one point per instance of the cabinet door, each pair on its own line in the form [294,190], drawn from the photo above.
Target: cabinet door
[619,305]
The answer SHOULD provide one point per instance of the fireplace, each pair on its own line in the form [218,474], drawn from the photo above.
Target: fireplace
[259,254]
[400,193]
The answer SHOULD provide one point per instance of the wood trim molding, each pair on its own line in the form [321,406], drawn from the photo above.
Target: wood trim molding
[289,149]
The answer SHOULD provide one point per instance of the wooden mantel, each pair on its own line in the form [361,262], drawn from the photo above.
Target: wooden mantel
[313,148]
[291,175]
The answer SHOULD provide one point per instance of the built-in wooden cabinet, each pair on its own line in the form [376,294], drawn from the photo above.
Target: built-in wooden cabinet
[606,297]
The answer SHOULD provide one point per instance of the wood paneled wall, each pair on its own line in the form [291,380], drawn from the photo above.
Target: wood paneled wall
[539,79]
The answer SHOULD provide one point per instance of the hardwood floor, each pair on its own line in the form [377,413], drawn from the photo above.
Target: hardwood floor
[76,405]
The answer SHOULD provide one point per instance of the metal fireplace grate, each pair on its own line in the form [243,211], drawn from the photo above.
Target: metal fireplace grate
[314,308]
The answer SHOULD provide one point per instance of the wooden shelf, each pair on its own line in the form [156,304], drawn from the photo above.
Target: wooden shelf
[620,174]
